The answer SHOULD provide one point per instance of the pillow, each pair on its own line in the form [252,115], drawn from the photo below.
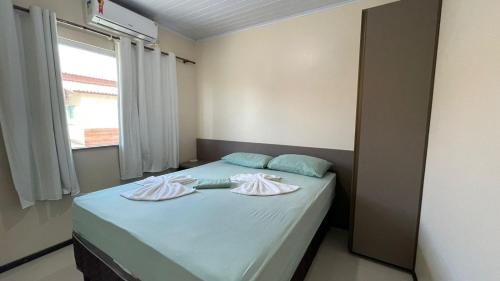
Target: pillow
[300,164]
[251,160]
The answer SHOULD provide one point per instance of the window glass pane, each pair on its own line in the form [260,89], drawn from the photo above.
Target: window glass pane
[90,95]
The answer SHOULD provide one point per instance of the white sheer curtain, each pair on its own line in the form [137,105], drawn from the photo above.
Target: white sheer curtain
[149,131]
[32,113]
[130,136]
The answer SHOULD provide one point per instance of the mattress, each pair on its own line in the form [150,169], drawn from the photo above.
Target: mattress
[210,234]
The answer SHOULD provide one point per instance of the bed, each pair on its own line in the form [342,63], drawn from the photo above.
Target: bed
[209,235]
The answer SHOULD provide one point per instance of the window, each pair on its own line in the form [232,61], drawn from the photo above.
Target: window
[70,110]
[90,94]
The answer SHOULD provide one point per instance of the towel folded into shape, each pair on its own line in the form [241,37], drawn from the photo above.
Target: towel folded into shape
[160,188]
[182,179]
[261,185]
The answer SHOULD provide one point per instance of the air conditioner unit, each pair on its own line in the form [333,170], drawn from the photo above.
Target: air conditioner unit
[108,15]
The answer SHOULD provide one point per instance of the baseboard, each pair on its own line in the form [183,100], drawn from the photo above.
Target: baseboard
[21,261]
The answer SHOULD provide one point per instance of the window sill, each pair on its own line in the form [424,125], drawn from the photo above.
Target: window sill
[94,147]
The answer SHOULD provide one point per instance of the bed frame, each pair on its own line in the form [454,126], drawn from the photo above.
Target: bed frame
[98,266]
[212,150]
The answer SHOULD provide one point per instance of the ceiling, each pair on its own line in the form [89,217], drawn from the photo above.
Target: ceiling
[199,19]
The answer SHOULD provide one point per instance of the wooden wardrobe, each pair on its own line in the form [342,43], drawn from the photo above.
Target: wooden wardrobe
[396,80]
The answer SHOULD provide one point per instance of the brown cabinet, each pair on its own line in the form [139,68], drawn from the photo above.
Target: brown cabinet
[397,62]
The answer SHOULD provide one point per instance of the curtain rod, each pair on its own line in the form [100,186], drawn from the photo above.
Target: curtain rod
[79,26]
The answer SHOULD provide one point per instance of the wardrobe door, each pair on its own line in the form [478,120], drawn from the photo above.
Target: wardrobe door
[395,91]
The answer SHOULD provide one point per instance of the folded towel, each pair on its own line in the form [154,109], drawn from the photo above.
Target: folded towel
[251,177]
[148,180]
[158,189]
[212,183]
[261,185]
[182,179]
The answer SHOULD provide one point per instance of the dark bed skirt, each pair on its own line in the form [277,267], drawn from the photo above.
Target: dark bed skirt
[98,266]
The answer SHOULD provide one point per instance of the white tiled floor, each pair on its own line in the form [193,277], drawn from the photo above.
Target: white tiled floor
[332,263]
[56,266]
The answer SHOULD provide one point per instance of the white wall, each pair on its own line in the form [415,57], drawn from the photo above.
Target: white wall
[291,82]
[460,224]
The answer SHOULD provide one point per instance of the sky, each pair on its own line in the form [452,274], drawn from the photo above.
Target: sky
[83,62]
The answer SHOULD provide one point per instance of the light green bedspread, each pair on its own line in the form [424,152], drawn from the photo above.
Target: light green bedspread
[212,235]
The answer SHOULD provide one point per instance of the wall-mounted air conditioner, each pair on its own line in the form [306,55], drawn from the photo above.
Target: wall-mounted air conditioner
[108,15]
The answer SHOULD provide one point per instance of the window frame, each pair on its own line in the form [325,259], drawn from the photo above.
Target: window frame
[91,48]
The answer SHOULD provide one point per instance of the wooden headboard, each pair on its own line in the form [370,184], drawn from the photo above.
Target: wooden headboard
[211,150]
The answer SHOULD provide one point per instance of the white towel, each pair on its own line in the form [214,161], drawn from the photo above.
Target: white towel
[160,188]
[261,185]
[182,179]
[251,177]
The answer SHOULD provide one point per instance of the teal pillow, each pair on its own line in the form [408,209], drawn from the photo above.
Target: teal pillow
[251,160]
[300,164]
